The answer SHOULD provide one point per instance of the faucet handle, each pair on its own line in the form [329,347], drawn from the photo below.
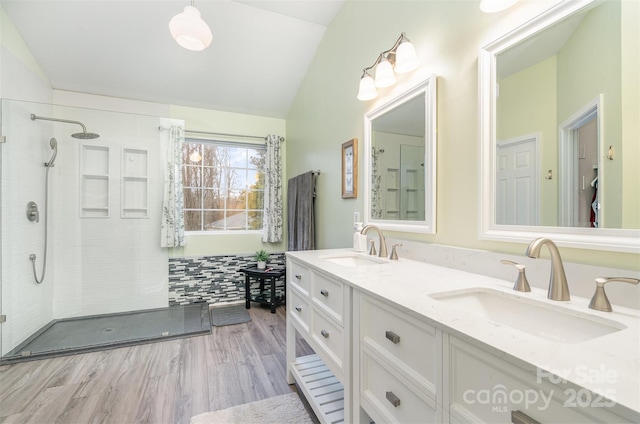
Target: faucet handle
[521,284]
[394,254]
[600,301]
[372,250]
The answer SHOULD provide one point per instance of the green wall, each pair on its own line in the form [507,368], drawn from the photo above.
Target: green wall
[447,36]
[526,105]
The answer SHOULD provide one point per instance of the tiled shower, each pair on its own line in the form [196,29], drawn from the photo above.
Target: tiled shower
[105,200]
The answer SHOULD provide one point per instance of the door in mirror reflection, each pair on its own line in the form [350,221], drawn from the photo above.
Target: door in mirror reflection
[553,83]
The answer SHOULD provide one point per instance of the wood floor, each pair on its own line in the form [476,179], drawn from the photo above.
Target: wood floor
[165,382]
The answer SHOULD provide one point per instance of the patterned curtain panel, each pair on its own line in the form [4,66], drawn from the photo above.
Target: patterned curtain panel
[272,219]
[172,228]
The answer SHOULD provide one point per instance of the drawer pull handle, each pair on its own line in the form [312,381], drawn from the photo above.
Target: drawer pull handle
[324,292]
[299,308]
[324,333]
[393,337]
[519,417]
[298,276]
[393,399]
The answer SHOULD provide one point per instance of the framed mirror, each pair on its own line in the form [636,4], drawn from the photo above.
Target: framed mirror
[558,129]
[400,161]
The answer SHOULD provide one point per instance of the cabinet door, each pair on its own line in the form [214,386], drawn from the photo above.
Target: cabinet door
[487,389]
[327,294]
[389,397]
[413,346]
[299,276]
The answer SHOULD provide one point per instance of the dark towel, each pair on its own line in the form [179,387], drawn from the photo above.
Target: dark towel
[301,221]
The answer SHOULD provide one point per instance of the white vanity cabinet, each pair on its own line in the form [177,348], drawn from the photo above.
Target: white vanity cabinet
[485,388]
[399,357]
[387,353]
[318,309]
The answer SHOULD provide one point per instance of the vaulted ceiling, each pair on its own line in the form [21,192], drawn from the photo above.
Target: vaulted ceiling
[260,52]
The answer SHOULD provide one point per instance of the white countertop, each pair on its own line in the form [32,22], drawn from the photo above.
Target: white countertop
[608,365]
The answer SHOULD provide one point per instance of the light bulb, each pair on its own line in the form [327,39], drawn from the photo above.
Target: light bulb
[384,74]
[367,90]
[406,59]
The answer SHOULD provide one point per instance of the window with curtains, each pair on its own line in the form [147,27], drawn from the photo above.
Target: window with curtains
[223,185]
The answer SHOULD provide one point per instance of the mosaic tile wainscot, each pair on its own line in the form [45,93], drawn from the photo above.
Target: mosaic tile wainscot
[212,279]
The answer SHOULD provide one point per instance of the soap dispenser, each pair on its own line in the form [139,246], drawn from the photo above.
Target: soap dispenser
[359,239]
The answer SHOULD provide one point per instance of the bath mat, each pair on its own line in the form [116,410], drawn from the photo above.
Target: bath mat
[229,314]
[276,410]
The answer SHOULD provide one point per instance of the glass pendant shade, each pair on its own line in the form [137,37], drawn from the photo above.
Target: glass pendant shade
[189,30]
[367,89]
[493,6]
[384,74]
[406,59]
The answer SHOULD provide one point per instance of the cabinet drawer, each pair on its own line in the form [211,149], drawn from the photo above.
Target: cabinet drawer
[329,336]
[387,397]
[300,276]
[328,294]
[300,310]
[485,388]
[400,337]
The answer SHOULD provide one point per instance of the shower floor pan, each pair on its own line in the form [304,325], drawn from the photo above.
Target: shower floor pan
[97,332]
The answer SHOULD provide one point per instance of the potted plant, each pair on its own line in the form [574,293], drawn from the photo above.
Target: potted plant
[261,257]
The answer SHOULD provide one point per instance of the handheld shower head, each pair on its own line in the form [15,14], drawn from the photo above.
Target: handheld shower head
[54,146]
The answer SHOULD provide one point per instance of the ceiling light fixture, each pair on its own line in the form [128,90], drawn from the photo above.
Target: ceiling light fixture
[189,30]
[398,59]
[493,6]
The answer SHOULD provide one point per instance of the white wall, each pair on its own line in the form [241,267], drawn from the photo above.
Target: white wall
[26,305]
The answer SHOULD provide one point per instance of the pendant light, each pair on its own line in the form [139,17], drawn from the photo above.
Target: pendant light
[189,30]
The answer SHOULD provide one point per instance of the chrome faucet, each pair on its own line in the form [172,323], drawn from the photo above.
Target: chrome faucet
[558,287]
[383,242]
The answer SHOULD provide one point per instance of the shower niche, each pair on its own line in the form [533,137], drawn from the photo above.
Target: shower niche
[94,181]
[135,179]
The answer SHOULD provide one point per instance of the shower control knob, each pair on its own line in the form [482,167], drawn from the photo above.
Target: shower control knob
[33,215]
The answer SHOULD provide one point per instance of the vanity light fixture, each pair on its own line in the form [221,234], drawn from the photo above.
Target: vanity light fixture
[399,59]
[494,6]
[189,30]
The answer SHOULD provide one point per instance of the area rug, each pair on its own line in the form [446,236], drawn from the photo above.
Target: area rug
[229,314]
[283,409]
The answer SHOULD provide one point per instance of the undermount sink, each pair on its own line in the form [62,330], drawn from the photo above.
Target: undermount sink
[353,259]
[531,316]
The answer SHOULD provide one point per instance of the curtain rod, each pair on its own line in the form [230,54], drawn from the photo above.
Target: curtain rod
[223,134]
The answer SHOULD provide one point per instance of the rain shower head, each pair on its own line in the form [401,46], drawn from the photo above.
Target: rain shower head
[84,135]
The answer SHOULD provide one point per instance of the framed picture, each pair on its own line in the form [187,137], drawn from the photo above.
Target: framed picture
[350,169]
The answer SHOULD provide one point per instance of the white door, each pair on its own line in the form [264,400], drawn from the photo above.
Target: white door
[517,191]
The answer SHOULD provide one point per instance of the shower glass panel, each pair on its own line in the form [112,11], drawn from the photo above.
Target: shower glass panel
[104,207]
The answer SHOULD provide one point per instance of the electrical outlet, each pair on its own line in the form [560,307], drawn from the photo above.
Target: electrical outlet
[356,218]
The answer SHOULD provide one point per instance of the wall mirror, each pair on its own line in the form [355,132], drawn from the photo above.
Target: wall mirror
[399,156]
[557,140]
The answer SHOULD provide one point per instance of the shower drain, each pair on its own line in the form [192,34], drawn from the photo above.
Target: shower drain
[108,330]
